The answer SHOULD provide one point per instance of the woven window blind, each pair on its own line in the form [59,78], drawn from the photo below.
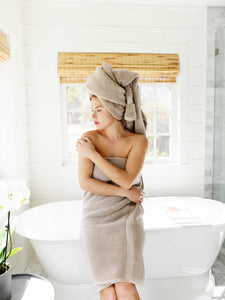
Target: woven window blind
[76,67]
[4,49]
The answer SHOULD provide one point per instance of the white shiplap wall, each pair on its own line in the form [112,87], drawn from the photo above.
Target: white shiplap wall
[14,158]
[55,27]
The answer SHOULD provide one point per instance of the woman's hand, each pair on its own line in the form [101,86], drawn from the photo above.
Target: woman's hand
[134,194]
[85,147]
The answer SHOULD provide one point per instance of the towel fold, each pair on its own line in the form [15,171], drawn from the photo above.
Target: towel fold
[119,92]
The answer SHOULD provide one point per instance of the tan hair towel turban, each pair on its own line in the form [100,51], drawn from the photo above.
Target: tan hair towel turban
[118,90]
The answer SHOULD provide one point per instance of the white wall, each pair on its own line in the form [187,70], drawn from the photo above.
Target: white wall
[13,132]
[51,28]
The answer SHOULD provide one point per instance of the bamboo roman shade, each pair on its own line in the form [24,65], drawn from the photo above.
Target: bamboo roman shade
[4,49]
[76,67]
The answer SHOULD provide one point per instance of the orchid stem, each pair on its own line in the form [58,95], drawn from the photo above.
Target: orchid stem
[7,237]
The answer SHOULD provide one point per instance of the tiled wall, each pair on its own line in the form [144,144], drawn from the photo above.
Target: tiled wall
[13,123]
[215,20]
[218,188]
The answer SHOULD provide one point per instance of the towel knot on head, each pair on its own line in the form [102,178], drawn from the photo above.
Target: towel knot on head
[118,90]
[130,111]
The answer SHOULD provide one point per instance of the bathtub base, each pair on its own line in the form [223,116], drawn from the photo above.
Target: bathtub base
[198,287]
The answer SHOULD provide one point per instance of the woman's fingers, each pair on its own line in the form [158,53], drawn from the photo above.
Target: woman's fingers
[79,144]
[85,147]
[141,198]
[140,195]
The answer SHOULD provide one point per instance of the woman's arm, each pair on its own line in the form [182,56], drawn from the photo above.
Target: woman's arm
[134,164]
[87,183]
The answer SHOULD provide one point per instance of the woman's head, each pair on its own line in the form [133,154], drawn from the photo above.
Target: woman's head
[118,91]
[100,115]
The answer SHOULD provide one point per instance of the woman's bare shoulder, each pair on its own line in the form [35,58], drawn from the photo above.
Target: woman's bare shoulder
[138,135]
[139,138]
[90,134]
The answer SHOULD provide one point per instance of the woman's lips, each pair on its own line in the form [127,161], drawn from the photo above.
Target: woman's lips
[96,123]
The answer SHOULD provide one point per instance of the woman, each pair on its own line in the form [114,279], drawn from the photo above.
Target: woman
[110,161]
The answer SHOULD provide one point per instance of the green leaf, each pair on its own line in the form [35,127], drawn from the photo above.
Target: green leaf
[14,251]
[2,256]
[2,253]
[2,244]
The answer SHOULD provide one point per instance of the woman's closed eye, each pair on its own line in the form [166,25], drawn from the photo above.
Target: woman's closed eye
[97,110]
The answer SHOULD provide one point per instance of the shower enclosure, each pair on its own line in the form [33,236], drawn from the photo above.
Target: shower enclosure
[218,184]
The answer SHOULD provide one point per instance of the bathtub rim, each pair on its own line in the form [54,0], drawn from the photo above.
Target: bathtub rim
[175,228]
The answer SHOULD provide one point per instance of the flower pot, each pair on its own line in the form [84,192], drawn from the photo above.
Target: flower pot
[5,284]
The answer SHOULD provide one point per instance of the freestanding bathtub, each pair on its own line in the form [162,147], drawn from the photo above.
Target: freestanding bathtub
[183,236]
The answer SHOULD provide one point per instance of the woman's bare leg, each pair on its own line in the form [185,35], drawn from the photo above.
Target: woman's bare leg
[126,291]
[108,293]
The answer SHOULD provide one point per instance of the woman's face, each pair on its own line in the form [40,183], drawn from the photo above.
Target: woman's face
[100,115]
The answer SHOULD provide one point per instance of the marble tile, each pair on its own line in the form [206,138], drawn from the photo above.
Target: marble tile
[218,270]
[35,267]
[222,255]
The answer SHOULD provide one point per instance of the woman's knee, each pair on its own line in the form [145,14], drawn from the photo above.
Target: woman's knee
[124,288]
[108,293]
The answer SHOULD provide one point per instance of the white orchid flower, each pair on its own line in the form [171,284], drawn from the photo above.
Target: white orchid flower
[13,193]
[18,192]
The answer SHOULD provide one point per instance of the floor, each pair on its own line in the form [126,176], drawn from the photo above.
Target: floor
[218,270]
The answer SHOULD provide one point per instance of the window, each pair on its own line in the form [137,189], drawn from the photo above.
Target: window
[158,103]
[158,75]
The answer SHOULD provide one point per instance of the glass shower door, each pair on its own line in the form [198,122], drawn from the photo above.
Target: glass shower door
[218,186]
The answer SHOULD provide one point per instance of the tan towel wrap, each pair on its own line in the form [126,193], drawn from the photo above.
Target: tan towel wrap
[112,234]
[119,92]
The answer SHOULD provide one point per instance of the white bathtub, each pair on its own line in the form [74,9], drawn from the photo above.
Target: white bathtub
[180,245]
